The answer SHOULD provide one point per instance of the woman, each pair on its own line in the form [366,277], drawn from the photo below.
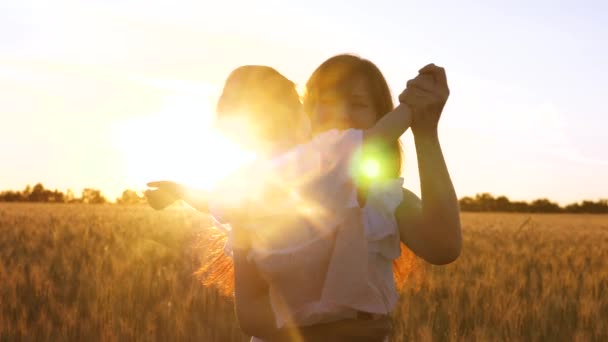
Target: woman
[429,227]
[311,248]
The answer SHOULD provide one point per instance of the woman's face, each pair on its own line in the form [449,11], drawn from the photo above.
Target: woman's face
[355,109]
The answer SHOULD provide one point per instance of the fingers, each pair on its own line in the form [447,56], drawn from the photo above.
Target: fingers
[414,86]
[155,184]
[429,68]
[437,72]
[416,95]
[422,81]
[440,76]
[161,184]
[159,199]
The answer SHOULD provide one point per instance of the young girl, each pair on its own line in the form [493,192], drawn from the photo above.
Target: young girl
[295,210]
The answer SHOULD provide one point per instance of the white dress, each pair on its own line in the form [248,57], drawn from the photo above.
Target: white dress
[324,257]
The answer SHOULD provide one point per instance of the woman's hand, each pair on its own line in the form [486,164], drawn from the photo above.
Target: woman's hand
[431,229]
[426,95]
[165,194]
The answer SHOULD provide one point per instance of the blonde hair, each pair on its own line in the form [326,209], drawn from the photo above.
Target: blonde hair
[269,105]
[336,75]
[263,100]
[271,99]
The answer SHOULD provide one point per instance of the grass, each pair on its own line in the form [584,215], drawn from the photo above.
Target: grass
[113,273]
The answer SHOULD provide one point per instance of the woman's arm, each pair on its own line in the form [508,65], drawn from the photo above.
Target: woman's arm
[431,229]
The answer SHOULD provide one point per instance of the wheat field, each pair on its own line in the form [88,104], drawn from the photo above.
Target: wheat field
[124,273]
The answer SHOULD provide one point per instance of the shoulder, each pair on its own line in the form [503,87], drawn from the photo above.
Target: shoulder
[410,200]
[336,137]
[409,211]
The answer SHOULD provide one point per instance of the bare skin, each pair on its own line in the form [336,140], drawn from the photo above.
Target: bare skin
[431,229]
[430,226]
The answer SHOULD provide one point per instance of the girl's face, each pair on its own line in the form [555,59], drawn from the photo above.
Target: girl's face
[354,109]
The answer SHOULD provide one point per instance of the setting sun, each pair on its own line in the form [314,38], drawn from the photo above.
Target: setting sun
[177,143]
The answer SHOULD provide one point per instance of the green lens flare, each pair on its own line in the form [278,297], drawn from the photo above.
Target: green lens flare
[371,168]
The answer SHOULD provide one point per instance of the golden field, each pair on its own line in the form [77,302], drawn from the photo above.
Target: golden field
[124,273]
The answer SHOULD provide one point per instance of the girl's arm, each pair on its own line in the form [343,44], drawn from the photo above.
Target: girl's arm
[431,227]
[391,126]
[167,193]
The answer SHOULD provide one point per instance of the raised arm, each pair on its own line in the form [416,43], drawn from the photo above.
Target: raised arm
[430,228]
[391,126]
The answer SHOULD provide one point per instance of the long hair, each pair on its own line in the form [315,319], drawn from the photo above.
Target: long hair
[269,105]
[263,101]
[337,74]
[217,269]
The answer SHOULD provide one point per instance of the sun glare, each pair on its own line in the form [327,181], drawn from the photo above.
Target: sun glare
[371,168]
[177,143]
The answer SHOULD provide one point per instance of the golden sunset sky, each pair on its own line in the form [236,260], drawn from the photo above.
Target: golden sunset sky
[111,94]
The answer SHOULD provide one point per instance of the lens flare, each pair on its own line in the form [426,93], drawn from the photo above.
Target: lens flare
[371,168]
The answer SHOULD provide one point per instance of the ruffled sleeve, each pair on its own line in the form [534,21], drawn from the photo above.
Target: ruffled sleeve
[380,225]
[311,180]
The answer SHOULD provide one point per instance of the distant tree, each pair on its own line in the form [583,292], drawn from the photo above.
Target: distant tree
[130,197]
[602,206]
[468,204]
[543,205]
[502,203]
[573,208]
[486,202]
[599,207]
[26,192]
[520,207]
[69,197]
[56,197]
[480,202]
[92,196]
[39,194]
[11,196]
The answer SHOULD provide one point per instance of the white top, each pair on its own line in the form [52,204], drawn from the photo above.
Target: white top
[323,256]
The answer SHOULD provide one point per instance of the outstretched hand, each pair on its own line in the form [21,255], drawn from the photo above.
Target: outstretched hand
[426,95]
[165,194]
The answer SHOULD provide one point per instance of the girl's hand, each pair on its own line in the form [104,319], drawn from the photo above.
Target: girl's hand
[165,194]
[426,95]
[169,187]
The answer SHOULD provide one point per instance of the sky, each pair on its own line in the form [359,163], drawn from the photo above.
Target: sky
[110,94]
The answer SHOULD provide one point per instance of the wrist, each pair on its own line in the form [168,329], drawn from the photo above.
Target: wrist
[430,133]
